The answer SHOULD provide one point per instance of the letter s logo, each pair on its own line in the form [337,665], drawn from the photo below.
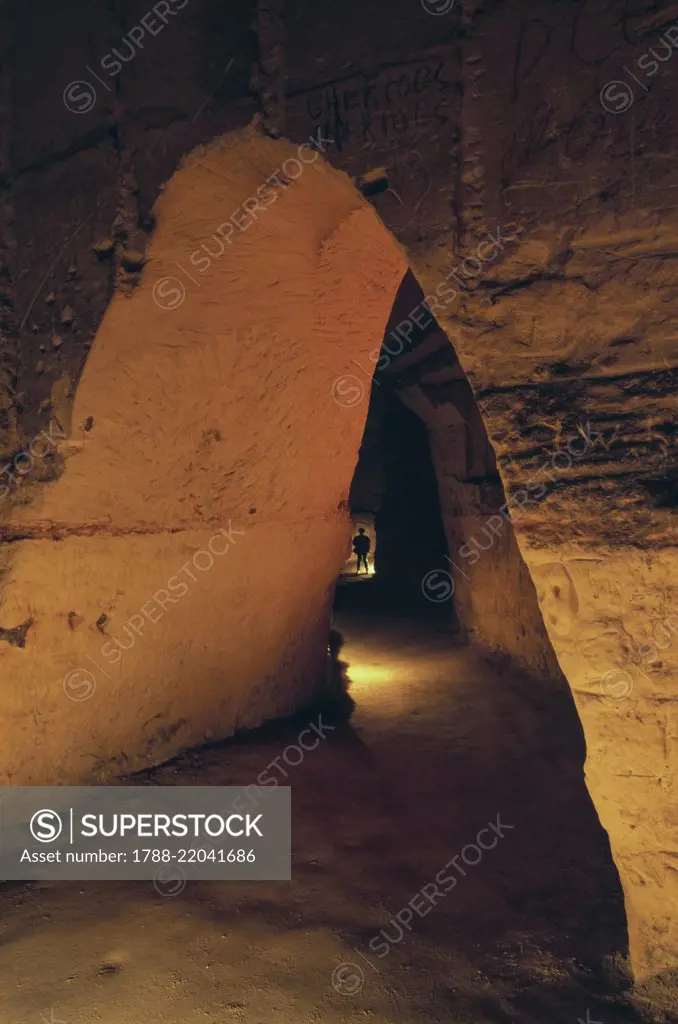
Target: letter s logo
[46,826]
[168,292]
[379,945]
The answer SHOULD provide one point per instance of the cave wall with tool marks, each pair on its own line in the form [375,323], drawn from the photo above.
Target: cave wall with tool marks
[546,134]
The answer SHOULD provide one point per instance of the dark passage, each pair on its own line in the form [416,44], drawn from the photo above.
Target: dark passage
[453,741]
[395,487]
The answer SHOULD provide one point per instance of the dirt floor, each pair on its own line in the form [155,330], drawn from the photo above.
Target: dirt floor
[440,743]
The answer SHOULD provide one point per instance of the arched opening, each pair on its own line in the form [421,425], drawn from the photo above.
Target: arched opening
[452,673]
[394,498]
[428,475]
[194,540]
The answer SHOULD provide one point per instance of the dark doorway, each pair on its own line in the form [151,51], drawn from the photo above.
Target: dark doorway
[395,485]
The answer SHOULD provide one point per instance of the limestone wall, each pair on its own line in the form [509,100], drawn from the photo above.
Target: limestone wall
[549,130]
[491,121]
[176,578]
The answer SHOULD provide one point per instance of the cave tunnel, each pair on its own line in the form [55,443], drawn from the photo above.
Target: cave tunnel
[263,287]
[394,492]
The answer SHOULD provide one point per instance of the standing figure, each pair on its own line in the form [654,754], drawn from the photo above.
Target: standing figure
[361,545]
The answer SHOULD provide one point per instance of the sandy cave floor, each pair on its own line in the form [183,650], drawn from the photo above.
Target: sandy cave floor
[440,743]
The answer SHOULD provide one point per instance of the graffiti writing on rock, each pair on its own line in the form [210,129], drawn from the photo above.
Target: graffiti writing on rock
[375,110]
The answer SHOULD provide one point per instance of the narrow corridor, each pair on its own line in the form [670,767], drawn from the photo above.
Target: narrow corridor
[440,745]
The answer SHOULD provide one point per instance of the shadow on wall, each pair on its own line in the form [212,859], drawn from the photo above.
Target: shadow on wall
[336,702]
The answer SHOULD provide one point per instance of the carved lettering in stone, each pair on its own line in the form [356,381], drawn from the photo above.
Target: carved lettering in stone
[377,111]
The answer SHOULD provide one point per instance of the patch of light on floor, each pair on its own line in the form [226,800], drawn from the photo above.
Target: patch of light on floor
[361,673]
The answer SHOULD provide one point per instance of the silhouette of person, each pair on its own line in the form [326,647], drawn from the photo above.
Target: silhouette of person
[337,701]
[361,545]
